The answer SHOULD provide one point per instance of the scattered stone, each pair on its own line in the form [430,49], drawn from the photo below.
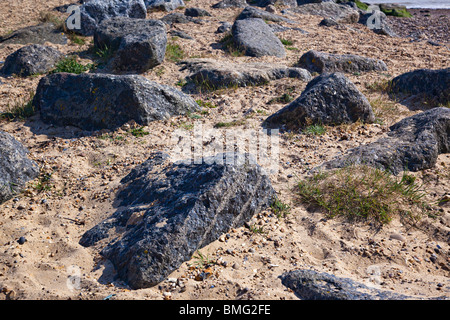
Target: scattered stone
[414,144]
[328,22]
[328,99]
[224,27]
[311,285]
[256,38]
[180,34]
[251,12]
[430,87]
[316,61]
[329,9]
[39,34]
[21,240]
[136,45]
[397,236]
[104,101]
[178,17]
[31,60]
[16,169]
[184,207]
[165,5]
[230,4]
[196,12]
[213,74]
[93,12]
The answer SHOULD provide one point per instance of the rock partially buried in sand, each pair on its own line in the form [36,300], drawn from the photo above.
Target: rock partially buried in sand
[312,285]
[15,167]
[171,210]
[256,38]
[31,60]
[328,99]
[136,45]
[166,5]
[213,74]
[316,61]
[39,34]
[250,12]
[103,101]
[329,9]
[430,87]
[413,144]
[230,4]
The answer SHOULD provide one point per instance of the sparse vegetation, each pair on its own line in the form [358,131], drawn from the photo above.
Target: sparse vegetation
[362,192]
[280,209]
[315,129]
[71,65]
[230,47]
[174,53]
[20,109]
[139,132]
[202,261]
[230,124]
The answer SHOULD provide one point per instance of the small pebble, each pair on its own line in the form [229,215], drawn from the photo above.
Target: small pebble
[21,240]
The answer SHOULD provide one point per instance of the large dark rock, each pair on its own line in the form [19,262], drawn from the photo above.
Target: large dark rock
[39,34]
[329,99]
[30,60]
[213,74]
[312,285]
[429,87]
[93,12]
[251,12]
[316,61]
[171,210]
[329,9]
[230,4]
[137,45]
[256,38]
[98,101]
[165,5]
[412,144]
[196,12]
[16,169]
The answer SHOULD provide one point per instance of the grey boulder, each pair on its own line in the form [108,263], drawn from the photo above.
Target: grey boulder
[256,38]
[171,210]
[93,12]
[312,285]
[99,101]
[137,45]
[329,99]
[251,12]
[39,34]
[413,144]
[329,9]
[429,87]
[316,61]
[230,4]
[213,74]
[16,169]
[166,5]
[31,60]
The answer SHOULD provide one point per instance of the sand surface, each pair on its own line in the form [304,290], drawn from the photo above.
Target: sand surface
[86,173]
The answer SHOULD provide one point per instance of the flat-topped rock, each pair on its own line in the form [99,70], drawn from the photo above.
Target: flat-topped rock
[316,61]
[213,74]
[340,13]
[104,101]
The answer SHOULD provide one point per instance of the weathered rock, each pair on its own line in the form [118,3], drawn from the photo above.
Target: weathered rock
[213,74]
[173,210]
[230,4]
[341,13]
[312,285]
[93,12]
[224,27]
[329,99]
[328,22]
[265,3]
[429,87]
[414,144]
[98,101]
[396,10]
[178,17]
[166,5]
[180,34]
[196,12]
[39,34]
[316,61]
[251,12]
[30,60]
[16,169]
[256,38]
[137,45]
